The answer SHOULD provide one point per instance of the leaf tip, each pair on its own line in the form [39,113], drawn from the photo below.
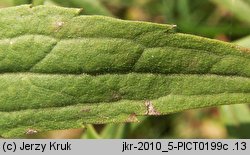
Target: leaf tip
[80,11]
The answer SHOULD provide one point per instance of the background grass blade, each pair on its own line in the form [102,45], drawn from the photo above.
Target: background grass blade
[89,6]
[237,120]
[239,8]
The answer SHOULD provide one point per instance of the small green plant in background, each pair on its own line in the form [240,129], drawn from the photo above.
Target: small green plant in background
[67,70]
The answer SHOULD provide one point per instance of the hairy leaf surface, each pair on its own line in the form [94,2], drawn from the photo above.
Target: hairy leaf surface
[59,70]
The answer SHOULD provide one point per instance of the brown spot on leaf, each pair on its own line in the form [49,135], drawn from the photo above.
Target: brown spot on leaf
[58,25]
[132,118]
[116,96]
[31,132]
[85,110]
[150,109]
[244,49]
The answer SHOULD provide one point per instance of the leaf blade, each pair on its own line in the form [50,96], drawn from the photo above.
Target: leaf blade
[65,69]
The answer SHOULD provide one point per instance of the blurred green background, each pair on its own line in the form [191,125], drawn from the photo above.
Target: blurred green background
[227,20]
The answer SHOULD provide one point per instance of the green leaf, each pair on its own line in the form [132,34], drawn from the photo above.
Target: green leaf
[60,69]
[237,117]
